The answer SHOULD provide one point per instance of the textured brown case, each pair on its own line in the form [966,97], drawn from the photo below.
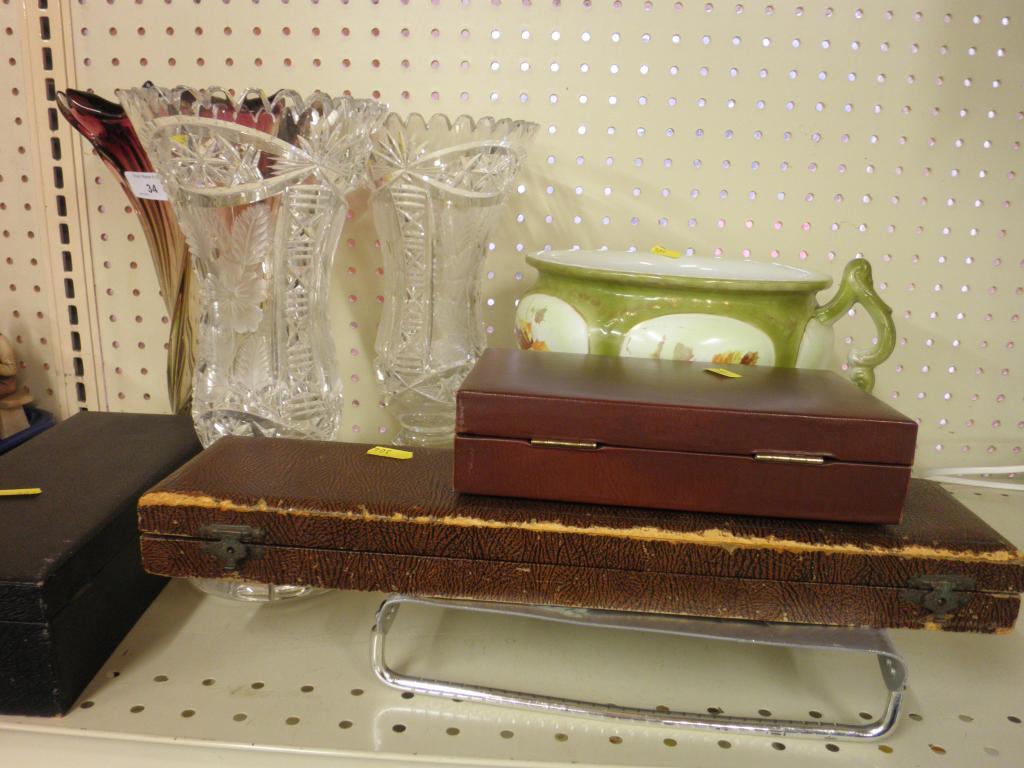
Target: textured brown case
[328,514]
[671,435]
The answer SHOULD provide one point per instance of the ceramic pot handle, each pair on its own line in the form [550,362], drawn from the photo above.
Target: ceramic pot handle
[856,287]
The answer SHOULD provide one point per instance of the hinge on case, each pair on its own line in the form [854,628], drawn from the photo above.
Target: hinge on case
[232,544]
[586,445]
[940,595]
[789,458]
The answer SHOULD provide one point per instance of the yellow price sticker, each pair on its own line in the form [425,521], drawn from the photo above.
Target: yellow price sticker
[180,138]
[389,453]
[661,251]
[724,373]
[20,491]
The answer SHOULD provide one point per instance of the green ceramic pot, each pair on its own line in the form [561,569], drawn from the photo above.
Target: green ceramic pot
[693,308]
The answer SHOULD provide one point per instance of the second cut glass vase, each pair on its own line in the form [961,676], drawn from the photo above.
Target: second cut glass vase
[439,189]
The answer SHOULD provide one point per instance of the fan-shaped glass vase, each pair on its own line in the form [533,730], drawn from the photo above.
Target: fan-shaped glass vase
[259,184]
[108,129]
[439,189]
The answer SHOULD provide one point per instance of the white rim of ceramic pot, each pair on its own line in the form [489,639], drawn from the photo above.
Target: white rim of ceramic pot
[683,271]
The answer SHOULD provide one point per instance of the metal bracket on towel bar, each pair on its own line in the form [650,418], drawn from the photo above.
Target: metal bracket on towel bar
[797,636]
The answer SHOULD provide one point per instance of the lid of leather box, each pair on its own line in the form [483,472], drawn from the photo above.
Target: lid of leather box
[91,468]
[315,496]
[679,406]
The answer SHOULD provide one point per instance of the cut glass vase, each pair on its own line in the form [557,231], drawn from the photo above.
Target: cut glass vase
[259,185]
[439,189]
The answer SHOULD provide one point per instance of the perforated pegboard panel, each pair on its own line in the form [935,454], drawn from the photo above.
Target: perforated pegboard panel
[808,134]
[26,306]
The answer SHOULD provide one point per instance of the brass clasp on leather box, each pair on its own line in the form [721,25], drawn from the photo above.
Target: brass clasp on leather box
[789,458]
[581,445]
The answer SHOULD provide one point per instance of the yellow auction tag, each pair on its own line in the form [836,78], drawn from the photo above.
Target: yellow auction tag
[20,491]
[389,453]
[660,251]
[725,373]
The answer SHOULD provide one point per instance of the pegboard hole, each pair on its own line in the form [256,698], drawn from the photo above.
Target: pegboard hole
[724,744]
[345,724]
[832,747]
[938,750]
[209,681]
[239,717]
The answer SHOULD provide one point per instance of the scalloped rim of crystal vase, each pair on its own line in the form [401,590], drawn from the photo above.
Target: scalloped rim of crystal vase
[291,100]
[464,125]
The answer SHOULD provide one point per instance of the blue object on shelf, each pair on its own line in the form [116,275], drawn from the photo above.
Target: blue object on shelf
[38,421]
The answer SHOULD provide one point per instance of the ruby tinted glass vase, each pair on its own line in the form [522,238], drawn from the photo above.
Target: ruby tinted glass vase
[108,129]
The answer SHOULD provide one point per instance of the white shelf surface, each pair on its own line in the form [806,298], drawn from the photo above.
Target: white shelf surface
[203,682]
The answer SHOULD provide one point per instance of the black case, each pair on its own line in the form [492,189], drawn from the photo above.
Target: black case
[71,583]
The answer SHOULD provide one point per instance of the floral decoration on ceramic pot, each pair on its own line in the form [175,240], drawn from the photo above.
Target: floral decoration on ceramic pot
[693,308]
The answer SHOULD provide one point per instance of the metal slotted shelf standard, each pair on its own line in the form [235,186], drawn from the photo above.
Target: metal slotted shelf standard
[205,682]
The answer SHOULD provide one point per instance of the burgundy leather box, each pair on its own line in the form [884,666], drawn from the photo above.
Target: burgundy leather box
[777,442]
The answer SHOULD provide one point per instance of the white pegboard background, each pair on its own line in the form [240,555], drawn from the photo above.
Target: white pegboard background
[26,309]
[808,134]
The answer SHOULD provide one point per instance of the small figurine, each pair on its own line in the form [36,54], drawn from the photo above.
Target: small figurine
[12,402]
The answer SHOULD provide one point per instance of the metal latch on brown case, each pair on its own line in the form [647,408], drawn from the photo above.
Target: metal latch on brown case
[232,544]
[939,595]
